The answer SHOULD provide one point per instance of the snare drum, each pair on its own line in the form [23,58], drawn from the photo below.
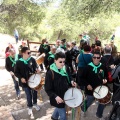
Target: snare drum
[36,82]
[40,59]
[102,94]
[73,97]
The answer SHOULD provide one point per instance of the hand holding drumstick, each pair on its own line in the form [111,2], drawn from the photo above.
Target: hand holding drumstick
[89,87]
[73,83]
[104,81]
[59,100]
[23,80]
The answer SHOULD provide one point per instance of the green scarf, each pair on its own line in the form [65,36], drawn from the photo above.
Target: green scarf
[63,46]
[25,61]
[51,55]
[94,66]
[81,51]
[62,71]
[13,60]
[45,46]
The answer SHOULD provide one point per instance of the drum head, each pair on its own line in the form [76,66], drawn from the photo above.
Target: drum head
[34,80]
[100,92]
[73,97]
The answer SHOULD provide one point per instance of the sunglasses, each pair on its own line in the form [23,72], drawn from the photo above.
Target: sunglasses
[29,53]
[96,57]
[62,62]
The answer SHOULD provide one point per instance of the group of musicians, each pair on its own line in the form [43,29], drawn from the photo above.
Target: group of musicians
[61,64]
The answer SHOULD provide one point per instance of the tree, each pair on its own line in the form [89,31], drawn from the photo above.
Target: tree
[21,14]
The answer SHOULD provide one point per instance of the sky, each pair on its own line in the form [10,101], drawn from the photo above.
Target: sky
[56,4]
[1,1]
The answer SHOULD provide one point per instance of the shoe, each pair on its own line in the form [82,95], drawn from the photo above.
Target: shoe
[83,114]
[53,118]
[30,111]
[36,107]
[102,118]
[18,97]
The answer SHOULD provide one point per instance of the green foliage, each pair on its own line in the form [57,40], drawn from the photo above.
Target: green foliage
[23,15]
[37,20]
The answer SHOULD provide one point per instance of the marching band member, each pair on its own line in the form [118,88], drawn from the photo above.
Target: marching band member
[94,75]
[57,82]
[9,65]
[44,48]
[25,67]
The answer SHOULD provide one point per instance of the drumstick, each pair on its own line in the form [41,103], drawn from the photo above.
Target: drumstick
[31,82]
[72,92]
[69,99]
[97,93]
[99,88]
[34,76]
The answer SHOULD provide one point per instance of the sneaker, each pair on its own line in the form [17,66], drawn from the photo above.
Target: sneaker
[102,118]
[83,114]
[18,97]
[36,107]
[30,111]
[53,118]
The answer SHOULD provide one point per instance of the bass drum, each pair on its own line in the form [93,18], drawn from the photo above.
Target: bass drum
[73,97]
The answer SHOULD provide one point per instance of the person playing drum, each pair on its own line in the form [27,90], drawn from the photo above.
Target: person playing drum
[25,67]
[9,65]
[94,75]
[57,82]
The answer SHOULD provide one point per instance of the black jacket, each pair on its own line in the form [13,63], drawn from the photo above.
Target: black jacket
[107,60]
[25,70]
[8,64]
[43,50]
[92,78]
[48,62]
[56,85]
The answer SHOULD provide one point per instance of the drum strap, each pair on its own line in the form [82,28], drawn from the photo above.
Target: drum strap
[52,74]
